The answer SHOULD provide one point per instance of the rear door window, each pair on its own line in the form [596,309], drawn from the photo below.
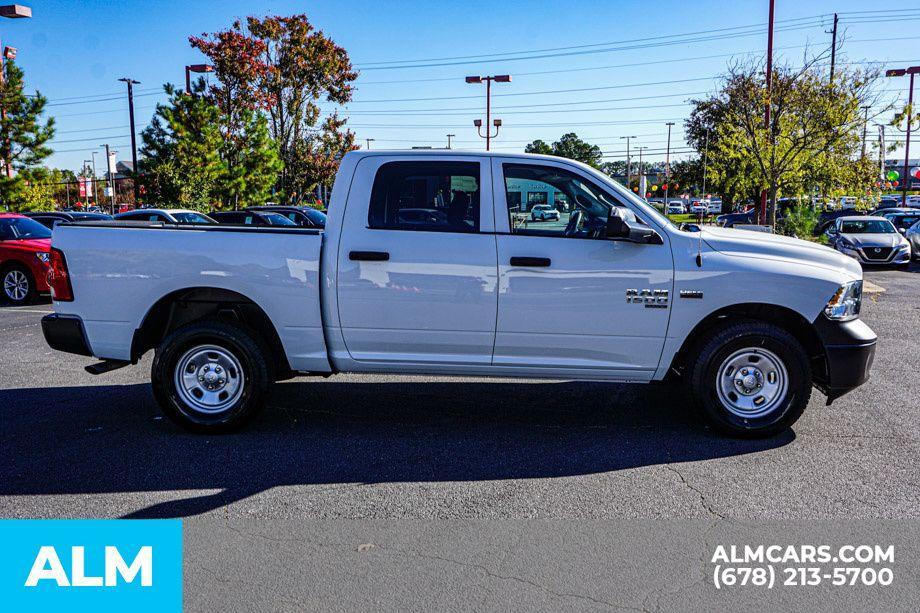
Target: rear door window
[426,196]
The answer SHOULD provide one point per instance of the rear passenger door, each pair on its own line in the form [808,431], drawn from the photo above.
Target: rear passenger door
[417,269]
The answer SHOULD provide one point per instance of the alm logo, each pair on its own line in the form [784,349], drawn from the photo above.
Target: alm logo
[48,567]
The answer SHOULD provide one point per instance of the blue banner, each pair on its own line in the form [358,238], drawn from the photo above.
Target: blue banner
[91,565]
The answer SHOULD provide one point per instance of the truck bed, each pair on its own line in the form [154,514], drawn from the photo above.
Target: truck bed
[120,270]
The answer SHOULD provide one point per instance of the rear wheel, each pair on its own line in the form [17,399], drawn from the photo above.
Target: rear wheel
[211,376]
[18,284]
[751,379]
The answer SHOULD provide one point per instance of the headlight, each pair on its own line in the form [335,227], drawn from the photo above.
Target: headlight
[903,246]
[846,244]
[44,256]
[844,305]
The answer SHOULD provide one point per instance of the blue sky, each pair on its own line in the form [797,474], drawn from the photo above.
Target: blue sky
[634,64]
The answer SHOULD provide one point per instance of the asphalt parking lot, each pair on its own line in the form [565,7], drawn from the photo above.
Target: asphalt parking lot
[74,445]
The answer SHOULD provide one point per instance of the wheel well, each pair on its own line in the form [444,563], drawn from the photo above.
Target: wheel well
[190,304]
[782,317]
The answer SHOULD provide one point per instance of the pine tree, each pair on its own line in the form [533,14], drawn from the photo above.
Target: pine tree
[23,137]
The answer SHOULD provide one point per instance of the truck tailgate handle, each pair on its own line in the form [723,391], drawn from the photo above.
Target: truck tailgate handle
[369,256]
[531,262]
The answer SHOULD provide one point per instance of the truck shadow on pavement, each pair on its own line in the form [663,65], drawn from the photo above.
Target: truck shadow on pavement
[110,439]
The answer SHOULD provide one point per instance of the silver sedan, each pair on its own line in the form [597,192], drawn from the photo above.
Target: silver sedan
[869,240]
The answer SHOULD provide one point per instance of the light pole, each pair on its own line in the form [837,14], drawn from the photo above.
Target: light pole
[368,141]
[667,167]
[628,160]
[86,168]
[866,107]
[110,175]
[131,83]
[900,72]
[642,180]
[198,68]
[450,136]
[501,78]
[10,11]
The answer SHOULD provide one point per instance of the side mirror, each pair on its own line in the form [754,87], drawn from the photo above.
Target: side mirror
[620,229]
[902,230]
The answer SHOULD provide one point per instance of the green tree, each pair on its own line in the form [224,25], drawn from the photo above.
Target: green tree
[284,67]
[539,146]
[814,129]
[569,146]
[181,152]
[23,136]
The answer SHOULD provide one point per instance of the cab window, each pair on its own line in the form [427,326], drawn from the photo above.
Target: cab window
[583,207]
[426,196]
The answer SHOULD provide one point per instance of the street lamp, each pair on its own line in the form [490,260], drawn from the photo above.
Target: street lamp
[10,11]
[368,141]
[900,72]
[628,160]
[450,136]
[198,68]
[643,182]
[502,78]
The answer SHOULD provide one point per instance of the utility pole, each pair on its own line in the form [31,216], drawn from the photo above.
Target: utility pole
[628,161]
[766,114]
[866,108]
[881,151]
[705,154]
[450,136]
[667,167]
[642,179]
[110,177]
[95,182]
[131,83]
[501,78]
[833,34]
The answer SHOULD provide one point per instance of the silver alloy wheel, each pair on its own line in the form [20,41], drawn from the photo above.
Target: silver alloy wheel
[16,285]
[752,382]
[209,379]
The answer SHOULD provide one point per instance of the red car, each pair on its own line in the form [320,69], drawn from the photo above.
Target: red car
[25,249]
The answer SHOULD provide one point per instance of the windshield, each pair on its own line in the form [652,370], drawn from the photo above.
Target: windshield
[867,226]
[13,228]
[191,218]
[317,217]
[903,221]
[277,219]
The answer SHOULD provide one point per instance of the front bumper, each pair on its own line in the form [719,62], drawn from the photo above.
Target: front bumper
[865,256]
[849,350]
[65,333]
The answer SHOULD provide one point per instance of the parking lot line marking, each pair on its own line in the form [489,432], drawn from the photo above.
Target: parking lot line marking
[871,288]
[15,310]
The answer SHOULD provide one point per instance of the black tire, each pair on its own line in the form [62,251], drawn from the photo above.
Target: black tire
[765,340]
[19,271]
[253,378]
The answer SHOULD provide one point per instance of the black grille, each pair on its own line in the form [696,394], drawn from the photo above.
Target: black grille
[877,253]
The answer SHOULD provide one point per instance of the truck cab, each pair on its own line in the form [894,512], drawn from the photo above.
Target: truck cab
[611,290]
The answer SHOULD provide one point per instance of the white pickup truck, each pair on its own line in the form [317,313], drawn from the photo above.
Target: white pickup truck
[610,291]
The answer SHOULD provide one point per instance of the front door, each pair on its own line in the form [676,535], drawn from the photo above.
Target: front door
[417,269]
[569,297]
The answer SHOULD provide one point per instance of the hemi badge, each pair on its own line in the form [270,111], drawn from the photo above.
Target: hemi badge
[691,293]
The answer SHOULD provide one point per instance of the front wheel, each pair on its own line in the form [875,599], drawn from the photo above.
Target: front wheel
[210,376]
[18,285]
[751,379]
